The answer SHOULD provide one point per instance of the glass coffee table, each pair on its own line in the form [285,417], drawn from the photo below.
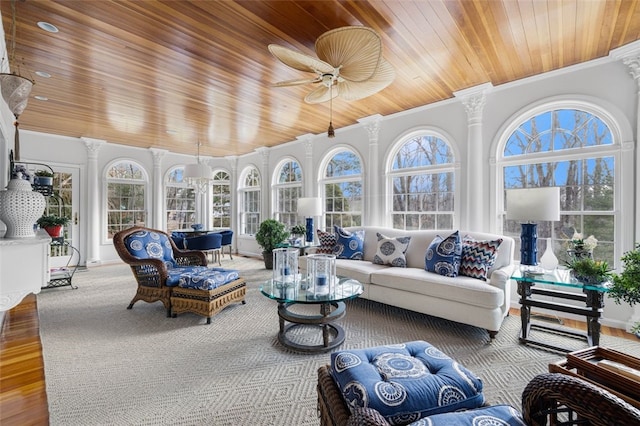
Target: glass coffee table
[559,280]
[332,308]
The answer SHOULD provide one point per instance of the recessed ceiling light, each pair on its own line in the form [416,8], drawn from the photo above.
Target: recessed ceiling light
[41,98]
[48,27]
[172,132]
[43,74]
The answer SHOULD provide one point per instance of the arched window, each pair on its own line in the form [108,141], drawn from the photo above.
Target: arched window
[250,196]
[573,149]
[421,182]
[221,205]
[181,201]
[342,187]
[286,191]
[126,207]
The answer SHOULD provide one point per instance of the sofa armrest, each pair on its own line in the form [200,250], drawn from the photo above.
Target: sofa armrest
[500,276]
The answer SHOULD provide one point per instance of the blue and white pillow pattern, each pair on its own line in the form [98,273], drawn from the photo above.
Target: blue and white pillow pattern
[151,245]
[391,251]
[205,279]
[495,415]
[478,257]
[405,382]
[349,245]
[443,255]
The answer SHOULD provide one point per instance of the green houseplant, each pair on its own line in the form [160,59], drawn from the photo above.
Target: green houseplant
[626,285]
[269,235]
[43,177]
[589,271]
[52,224]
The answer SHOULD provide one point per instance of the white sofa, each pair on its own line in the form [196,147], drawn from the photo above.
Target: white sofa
[463,299]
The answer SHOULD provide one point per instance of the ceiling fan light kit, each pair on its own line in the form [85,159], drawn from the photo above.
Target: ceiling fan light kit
[349,61]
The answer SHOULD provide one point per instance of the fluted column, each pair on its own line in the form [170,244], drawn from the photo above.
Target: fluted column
[309,168]
[473,100]
[265,181]
[157,208]
[372,203]
[93,200]
[233,185]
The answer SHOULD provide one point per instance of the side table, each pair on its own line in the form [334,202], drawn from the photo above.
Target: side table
[592,296]
[63,276]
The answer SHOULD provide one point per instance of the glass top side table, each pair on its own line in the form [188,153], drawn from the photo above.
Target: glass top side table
[559,281]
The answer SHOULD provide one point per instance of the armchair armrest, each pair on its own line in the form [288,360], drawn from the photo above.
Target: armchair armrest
[550,393]
[190,257]
[500,276]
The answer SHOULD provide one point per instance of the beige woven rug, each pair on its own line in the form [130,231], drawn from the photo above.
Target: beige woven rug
[106,365]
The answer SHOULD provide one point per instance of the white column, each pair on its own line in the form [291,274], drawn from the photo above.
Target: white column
[373,206]
[93,222]
[473,100]
[265,179]
[309,169]
[157,192]
[233,186]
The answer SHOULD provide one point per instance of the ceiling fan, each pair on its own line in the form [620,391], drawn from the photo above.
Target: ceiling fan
[349,65]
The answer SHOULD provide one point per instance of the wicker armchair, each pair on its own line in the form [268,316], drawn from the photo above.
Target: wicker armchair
[151,273]
[550,396]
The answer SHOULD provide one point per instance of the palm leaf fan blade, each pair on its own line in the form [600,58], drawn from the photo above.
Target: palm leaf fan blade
[298,60]
[356,51]
[297,82]
[321,94]
[353,91]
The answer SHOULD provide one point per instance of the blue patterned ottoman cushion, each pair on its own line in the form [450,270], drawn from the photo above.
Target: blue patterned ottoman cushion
[174,274]
[405,382]
[208,279]
[443,255]
[497,415]
[350,245]
[150,245]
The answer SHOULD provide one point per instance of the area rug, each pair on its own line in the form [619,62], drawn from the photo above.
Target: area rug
[106,365]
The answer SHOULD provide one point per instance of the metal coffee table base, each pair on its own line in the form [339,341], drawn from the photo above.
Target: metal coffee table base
[329,312]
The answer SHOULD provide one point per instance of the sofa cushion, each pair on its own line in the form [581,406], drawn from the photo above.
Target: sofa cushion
[478,256]
[495,415]
[443,255]
[391,251]
[327,242]
[405,382]
[349,245]
[151,245]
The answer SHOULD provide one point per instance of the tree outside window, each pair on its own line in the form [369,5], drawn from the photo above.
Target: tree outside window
[126,184]
[571,149]
[422,181]
[287,190]
[221,203]
[181,201]
[342,185]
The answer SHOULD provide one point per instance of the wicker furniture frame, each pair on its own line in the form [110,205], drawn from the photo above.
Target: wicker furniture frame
[549,395]
[151,275]
[332,409]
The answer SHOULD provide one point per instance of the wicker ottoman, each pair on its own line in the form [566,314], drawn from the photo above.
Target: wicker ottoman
[207,302]
[404,383]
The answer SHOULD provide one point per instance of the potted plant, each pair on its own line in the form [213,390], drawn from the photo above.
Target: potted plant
[589,271]
[52,224]
[270,234]
[43,177]
[298,230]
[626,285]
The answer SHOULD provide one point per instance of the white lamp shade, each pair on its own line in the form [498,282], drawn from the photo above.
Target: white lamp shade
[309,207]
[197,171]
[534,204]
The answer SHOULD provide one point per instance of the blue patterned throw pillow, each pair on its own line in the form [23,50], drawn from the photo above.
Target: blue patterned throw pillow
[443,255]
[391,251]
[149,244]
[349,244]
[478,257]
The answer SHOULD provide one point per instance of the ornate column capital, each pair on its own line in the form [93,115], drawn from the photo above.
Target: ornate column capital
[233,162]
[372,125]
[630,56]
[93,146]
[158,154]
[264,154]
[473,99]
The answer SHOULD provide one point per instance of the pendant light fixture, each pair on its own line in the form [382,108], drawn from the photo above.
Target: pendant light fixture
[198,175]
[330,132]
[15,88]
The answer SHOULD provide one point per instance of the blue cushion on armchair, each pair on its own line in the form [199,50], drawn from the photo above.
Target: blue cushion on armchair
[150,245]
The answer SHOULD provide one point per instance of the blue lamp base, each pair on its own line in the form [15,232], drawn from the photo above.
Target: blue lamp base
[309,234]
[529,244]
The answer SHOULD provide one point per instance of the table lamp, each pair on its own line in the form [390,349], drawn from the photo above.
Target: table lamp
[309,208]
[531,205]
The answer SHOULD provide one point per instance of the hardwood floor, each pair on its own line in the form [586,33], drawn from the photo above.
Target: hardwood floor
[23,396]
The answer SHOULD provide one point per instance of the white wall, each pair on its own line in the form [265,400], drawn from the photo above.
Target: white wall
[605,80]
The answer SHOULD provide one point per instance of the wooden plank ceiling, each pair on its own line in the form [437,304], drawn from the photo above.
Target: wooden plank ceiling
[129,71]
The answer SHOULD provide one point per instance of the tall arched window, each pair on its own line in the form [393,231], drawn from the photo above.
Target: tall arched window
[573,149]
[221,205]
[250,196]
[126,207]
[342,187]
[181,201]
[421,182]
[286,191]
